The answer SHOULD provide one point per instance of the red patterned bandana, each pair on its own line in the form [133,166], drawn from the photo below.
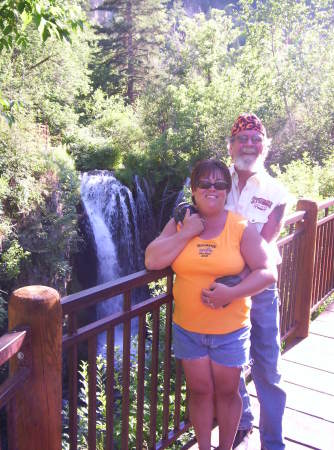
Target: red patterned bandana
[247,122]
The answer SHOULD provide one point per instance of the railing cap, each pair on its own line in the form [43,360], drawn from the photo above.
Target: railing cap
[36,293]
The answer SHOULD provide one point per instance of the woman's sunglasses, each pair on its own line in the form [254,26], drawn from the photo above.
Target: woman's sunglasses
[218,185]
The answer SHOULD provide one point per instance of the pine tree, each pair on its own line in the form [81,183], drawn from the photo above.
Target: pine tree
[129,47]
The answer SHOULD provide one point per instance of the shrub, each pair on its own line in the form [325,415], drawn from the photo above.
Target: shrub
[305,178]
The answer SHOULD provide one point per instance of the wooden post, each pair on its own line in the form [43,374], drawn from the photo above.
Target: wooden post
[306,267]
[38,403]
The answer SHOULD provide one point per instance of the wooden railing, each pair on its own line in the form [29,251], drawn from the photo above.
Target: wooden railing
[140,393]
[15,344]
[323,267]
[135,396]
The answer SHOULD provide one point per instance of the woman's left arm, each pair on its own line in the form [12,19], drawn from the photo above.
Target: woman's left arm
[263,273]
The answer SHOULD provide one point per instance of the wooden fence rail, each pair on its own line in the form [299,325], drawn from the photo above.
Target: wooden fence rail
[122,387]
[323,268]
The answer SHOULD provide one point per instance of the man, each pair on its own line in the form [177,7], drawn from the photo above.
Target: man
[262,200]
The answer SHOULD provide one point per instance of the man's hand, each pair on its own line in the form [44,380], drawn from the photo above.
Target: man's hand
[217,296]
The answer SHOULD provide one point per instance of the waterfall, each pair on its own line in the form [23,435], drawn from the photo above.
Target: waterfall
[121,224]
[145,219]
[181,197]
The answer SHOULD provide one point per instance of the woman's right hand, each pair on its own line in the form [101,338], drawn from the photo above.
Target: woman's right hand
[192,225]
[161,252]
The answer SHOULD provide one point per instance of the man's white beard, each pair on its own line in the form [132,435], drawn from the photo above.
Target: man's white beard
[250,163]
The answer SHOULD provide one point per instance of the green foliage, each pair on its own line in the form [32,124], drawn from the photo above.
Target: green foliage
[10,260]
[307,179]
[113,133]
[95,154]
[53,238]
[21,161]
[47,79]
[7,108]
[51,18]
[201,45]
[83,409]
[322,307]
[326,188]
[38,198]
[120,123]
[158,287]
[290,65]
[38,181]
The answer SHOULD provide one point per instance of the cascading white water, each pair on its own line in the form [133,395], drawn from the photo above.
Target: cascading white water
[181,195]
[145,219]
[117,221]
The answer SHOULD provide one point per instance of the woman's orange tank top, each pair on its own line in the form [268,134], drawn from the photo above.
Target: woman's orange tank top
[196,267]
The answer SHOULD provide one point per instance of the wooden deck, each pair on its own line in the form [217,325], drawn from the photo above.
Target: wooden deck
[308,370]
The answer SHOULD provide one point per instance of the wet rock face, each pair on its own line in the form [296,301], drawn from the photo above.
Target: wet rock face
[85,261]
[146,221]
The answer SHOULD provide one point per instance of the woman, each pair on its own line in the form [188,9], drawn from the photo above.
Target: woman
[211,320]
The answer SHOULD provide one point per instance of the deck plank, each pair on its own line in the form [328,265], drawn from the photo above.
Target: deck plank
[315,351]
[322,328]
[310,402]
[302,399]
[302,428]
[308,431]
[309,377]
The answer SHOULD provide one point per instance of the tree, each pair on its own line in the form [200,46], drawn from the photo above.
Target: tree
[130,45]
[47,78]
[199,45]
[51,18]
[286,59]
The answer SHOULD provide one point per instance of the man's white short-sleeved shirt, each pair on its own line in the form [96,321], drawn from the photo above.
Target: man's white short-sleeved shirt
[261,194]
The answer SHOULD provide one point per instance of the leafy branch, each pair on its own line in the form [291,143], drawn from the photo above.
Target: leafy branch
[52,18]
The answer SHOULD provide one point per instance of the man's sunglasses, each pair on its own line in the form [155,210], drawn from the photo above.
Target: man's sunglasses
[243,139]
[218,185]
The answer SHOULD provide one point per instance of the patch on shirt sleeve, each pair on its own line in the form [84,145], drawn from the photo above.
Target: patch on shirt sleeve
[261,203]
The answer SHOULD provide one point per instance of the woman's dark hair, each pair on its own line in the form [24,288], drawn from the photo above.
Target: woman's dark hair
[205,168]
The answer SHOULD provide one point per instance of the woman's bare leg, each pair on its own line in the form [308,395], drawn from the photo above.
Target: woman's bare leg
[228,402]
[201,398]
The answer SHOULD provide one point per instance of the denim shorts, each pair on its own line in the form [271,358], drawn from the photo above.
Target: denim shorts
[230,349]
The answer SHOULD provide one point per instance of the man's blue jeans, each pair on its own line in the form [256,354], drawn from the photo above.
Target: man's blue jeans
[265,355]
